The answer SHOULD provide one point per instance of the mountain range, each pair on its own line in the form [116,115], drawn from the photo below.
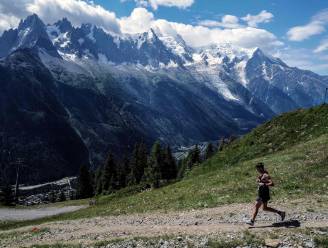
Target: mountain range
[70,94]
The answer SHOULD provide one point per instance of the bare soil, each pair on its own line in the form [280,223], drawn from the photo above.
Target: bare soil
[218,221]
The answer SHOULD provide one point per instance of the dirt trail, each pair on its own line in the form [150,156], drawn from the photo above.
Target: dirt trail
[7,214]
[215,221]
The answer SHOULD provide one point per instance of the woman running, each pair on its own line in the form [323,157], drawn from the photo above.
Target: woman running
[264,181]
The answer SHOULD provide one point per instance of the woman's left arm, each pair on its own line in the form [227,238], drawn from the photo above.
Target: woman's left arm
[270,182]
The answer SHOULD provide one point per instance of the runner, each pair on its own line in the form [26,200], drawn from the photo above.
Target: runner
[264,181]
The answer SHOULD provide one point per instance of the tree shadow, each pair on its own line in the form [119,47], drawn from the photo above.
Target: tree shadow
[287,224]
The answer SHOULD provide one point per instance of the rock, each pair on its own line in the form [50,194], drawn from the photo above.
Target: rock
[274,243]
[309,244]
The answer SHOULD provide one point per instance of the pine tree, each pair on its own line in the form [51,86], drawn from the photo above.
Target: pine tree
[195,156]
[138,163]
[84,187]
[231,139]
[109,174]
[182,167]
[192,159]
[135,172]
[142,158]
[99,180]
[209,151]
[93,179]
[52,196]
[7,197]
[169,169]
[123,173]
[62,196]
[221,144]
[153,170]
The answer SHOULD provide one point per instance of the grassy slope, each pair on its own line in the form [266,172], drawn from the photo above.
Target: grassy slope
[293,146]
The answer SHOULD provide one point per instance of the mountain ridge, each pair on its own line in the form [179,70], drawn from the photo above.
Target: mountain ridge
[121,89]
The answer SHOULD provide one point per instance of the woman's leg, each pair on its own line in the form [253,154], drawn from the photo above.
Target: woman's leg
[281,213]
[256,209]
[269,209]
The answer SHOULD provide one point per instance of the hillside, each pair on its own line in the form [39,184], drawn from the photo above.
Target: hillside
[293,146]
[209,206]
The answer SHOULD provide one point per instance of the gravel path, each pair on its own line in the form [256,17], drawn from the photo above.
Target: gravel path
[31,214]
[225,221]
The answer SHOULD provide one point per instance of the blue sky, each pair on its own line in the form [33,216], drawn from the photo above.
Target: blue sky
[295,30]
[287,13]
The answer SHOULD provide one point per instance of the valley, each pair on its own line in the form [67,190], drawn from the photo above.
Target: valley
[106,92]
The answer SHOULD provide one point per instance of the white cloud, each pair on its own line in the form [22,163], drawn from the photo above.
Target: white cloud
[251,37]
[227,21]
[139,21]
[7,21]
[314,27]
[49,11]
[77,11]
[231,21]
[15,8]
[168,3]
[197,36]
[322,47]
[304,59]
[11,12]
[321,16]
[253,20]
[300,33]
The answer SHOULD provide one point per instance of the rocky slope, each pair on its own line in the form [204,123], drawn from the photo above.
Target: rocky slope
[37,123]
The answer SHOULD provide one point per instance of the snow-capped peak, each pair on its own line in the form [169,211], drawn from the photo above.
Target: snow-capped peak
[29,31]
[178,46]
[32,21]
[64,25]
[89,41]
[149,37]
[151,48]
[229,51]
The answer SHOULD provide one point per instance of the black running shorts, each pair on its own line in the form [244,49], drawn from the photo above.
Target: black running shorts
[263,194]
